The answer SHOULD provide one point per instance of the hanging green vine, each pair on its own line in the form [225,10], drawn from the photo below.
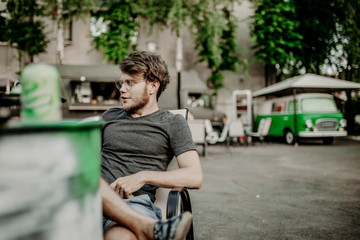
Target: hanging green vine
[216,43]
[122,26]
[212,22]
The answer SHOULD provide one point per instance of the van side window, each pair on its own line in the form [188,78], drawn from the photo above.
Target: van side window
[292,106]
[278,107]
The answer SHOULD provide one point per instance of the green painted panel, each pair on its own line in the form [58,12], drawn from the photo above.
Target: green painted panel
[49,180]
[281,122]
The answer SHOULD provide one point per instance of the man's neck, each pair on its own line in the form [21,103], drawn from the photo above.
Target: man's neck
[144,111]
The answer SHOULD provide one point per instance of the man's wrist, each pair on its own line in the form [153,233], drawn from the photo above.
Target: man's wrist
[143,177]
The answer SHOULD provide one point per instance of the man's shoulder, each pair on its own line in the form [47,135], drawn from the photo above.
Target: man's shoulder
[113,114]
[169,116]
[172,120]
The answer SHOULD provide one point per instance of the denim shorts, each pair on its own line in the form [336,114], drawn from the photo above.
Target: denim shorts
[141,204]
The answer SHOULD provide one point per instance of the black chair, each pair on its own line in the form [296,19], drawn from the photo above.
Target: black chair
[175,201]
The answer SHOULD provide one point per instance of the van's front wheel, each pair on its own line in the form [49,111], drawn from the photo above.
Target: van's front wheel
[289,137]
[328,140]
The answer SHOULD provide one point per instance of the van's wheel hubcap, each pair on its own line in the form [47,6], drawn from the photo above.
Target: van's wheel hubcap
[289,136]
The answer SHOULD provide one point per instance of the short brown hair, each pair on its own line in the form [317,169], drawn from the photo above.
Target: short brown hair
[150,64]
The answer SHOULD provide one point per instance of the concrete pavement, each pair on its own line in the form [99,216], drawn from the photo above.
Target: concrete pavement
[276,191]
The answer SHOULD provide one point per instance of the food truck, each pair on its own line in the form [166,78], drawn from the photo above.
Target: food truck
[90,90]
[302,107]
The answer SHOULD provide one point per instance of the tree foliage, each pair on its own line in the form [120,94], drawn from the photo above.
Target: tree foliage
[122,20]
[349,60]
[22,29]
[349,66]
[216,26]
[63,11]
[212,22]
[77,9]
[318,26]
[293,37]
[274,30]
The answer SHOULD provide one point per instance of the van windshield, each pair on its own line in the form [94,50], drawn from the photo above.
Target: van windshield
[318,105]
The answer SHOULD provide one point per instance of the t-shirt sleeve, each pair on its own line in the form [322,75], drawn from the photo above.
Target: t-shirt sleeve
[180,137]
[107,115]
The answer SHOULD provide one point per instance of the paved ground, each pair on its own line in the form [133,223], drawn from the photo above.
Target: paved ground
[276,191]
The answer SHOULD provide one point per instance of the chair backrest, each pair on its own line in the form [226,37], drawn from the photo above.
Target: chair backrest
[225,131]
[236,128]
[266,127]
[208,126]
[183,112]
[211,136]
[197,128]
[261,126]
[162,193]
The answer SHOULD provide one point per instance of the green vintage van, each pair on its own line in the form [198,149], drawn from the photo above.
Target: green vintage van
[307,115]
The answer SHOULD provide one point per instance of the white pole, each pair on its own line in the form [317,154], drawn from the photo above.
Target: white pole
[60,34]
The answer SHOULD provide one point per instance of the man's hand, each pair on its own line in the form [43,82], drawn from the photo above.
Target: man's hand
[125,186]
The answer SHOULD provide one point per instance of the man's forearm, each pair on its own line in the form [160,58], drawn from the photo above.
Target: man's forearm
[188,175]
[181,177]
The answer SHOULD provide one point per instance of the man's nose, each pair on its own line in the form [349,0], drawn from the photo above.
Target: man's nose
[123,88]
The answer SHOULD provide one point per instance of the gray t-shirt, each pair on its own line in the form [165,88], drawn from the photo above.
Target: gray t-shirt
[133,144]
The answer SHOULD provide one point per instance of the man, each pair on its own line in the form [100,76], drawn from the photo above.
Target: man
[140,140]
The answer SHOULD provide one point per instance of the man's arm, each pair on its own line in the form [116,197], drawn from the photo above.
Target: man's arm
[189,174]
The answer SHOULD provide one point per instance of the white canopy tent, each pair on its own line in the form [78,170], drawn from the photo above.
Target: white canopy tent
[306,83]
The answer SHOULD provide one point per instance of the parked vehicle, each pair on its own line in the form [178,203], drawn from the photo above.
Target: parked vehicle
[316,117]
[299,107]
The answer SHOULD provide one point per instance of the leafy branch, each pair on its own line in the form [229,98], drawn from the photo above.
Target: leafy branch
[213,27]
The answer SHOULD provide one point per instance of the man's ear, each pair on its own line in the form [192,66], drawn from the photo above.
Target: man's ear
[154,87]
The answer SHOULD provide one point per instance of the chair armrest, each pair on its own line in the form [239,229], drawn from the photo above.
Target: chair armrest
[253,134]
[178,201]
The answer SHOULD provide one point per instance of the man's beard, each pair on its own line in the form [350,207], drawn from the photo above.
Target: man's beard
[139,103]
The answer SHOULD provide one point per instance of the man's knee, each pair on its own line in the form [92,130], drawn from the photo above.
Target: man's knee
[117,232]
